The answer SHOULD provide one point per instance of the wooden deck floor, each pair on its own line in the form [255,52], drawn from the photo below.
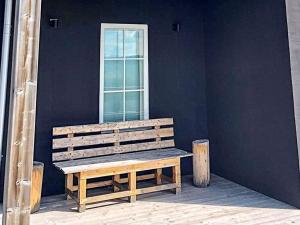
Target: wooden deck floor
[222,203]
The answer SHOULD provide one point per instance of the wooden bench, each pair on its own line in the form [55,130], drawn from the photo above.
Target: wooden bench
[118,150]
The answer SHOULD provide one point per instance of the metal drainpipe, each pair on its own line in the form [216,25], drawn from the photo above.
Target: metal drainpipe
[4,67]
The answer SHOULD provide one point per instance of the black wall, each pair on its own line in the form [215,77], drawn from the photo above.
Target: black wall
[68,85]
[249,92]
[249,95]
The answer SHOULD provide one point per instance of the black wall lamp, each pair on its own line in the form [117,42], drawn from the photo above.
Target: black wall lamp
[54,22]
[176,27]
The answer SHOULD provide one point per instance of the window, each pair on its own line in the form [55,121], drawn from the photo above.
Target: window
[123,72]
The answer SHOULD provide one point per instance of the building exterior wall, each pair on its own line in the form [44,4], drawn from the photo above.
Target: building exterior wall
[230,62]
[249,94]
[68,83]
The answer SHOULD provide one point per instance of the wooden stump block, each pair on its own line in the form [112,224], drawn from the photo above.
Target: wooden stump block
[201,176]
[36,188]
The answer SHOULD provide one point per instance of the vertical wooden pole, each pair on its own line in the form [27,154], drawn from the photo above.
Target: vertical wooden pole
[20,143]
[201,169]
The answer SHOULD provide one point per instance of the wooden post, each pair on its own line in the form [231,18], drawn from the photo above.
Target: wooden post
[36,189]
[176,176]
[20,141]
[132,186]
[158,175]
[81,193]
[201,163]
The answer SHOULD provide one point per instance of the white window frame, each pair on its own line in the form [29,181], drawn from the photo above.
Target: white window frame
[143,27]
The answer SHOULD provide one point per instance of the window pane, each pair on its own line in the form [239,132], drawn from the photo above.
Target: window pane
[134,43]
[113,107]
[113,43]
[113,75]
[134,105]
[134,70]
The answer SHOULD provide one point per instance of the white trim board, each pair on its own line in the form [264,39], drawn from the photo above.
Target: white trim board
[293,22]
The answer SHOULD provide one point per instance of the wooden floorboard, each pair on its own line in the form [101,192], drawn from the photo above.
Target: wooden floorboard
[223,202]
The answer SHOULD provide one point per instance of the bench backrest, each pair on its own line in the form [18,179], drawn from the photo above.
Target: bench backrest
[86,141]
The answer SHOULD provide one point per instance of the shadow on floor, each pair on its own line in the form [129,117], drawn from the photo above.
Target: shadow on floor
[221,193]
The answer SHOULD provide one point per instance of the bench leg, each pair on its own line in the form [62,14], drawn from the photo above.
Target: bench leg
[132,186]
[68,185]
[117,179]
[158,174]
[81,193]
[177,176]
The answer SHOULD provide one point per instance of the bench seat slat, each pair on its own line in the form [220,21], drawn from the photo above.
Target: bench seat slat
[93,152]
[112,138]
[111,126]
[80,165]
